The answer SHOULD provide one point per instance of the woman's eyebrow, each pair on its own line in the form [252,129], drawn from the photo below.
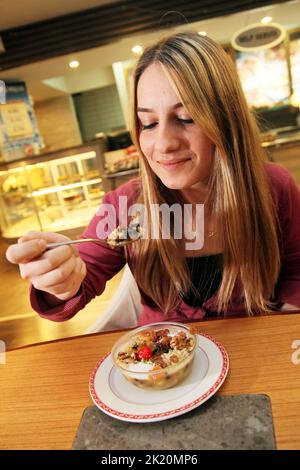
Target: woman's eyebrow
[149,110]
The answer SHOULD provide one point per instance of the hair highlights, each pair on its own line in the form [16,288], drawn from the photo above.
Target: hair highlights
[239,194]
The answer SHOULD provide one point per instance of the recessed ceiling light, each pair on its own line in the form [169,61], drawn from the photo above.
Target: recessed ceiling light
[266,19]
[74,64]
[202,33]
[137,49]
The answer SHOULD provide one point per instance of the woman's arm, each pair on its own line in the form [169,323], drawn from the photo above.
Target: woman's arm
[102,263]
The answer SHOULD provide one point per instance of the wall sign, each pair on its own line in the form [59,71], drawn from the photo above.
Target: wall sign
[16,119]
[20,135]
[258,36]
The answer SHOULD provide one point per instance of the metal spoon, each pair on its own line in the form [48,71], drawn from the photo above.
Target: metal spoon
[121,236]
[93,240]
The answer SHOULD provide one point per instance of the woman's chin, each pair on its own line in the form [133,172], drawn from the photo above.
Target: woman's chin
[175,183]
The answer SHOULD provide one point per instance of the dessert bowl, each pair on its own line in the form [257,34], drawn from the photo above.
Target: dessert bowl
[155,356]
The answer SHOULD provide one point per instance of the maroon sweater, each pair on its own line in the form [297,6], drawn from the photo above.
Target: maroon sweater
[104,262]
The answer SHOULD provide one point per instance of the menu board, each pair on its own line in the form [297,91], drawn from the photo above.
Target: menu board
[264,77]
[20,135]
[16,119]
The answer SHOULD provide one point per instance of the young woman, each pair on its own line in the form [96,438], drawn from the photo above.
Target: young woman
[198,144]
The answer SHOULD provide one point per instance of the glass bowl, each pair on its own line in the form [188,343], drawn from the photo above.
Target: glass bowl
[155,356]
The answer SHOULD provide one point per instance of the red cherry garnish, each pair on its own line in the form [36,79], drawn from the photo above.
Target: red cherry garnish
[144,353]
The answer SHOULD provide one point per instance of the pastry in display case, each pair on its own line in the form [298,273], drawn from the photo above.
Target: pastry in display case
[15,205]
[121,160]
[56,192]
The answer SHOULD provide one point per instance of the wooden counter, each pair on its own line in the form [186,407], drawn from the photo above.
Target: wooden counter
[44,388]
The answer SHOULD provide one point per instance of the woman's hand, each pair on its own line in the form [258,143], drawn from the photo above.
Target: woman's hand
[59,271]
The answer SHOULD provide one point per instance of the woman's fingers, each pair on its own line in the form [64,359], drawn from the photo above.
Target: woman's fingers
[58,271]
[48,261]
[49,237]
[74,281]
[56,276]
[31,245]
[25,252]
[70,285]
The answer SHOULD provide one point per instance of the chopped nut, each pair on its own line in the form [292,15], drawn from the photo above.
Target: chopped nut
[164,343]
[190,344]
[123,355]
[160,362]
[174,359]
[179,341]
[126,357]
[151,334]
[161,333]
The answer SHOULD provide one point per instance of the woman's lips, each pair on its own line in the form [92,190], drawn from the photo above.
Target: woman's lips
[172,164]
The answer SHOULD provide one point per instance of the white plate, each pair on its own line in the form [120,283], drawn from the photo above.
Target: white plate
[118,398]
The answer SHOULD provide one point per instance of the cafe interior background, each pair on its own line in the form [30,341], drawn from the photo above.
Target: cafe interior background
[64,141]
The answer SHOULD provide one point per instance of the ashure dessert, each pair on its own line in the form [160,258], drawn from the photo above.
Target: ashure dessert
[122,236]
[158,357]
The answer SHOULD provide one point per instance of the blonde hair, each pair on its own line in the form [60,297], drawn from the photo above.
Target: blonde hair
[239,195]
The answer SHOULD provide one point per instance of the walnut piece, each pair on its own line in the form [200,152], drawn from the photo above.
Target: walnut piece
[174,359]
[179,341]
[158,361]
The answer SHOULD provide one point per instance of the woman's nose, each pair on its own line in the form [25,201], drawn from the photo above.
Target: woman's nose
[167,140]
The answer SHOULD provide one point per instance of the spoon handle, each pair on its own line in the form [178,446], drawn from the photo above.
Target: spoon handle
[74,242]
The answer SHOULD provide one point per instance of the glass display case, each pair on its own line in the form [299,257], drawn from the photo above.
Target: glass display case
[56,192]
[295,67]
[121,160]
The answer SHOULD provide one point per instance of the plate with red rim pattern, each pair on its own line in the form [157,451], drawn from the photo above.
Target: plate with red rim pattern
[120,399]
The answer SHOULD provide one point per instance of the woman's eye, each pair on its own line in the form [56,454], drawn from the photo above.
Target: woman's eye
[185,121]
[180,120]
[148,126]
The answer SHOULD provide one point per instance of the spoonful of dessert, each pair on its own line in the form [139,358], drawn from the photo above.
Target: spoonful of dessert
[120,236]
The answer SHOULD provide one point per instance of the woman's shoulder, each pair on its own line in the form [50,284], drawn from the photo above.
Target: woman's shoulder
[278,175]
[282,184]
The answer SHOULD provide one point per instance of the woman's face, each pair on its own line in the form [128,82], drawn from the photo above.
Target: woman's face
[177,150]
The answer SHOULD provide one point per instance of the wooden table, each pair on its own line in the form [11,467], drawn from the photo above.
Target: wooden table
[44,388]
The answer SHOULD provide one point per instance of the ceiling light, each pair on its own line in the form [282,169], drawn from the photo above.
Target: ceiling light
[74,64]
[202,33]
[137,49]
[266,19]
